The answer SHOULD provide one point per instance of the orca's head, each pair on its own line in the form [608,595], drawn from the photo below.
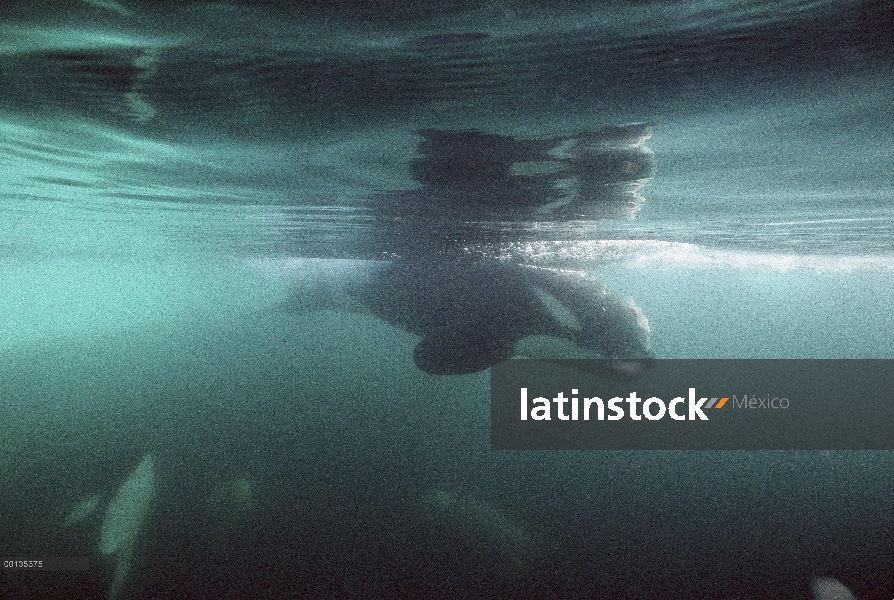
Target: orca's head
[621,333]
[618,329]
[598,322]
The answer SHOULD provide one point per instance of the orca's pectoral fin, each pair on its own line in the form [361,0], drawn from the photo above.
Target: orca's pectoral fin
[458,353]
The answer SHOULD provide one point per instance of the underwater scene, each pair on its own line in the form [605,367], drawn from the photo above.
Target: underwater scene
[257,258]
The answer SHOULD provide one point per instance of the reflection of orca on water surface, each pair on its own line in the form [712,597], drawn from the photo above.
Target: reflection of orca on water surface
[475,184]
[472,307]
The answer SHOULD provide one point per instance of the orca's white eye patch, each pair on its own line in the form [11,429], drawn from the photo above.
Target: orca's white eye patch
[561,313]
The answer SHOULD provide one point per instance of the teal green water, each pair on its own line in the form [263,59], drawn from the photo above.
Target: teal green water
[159,170]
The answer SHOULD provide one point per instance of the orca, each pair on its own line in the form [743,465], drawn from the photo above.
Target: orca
[437,269]
[473,313]
[826,588]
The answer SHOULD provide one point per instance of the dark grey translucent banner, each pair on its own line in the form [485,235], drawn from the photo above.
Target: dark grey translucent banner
[692,405]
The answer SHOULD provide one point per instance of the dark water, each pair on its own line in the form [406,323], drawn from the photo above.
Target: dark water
[163,165]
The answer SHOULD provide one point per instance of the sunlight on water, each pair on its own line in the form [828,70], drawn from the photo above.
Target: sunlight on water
[691,256]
